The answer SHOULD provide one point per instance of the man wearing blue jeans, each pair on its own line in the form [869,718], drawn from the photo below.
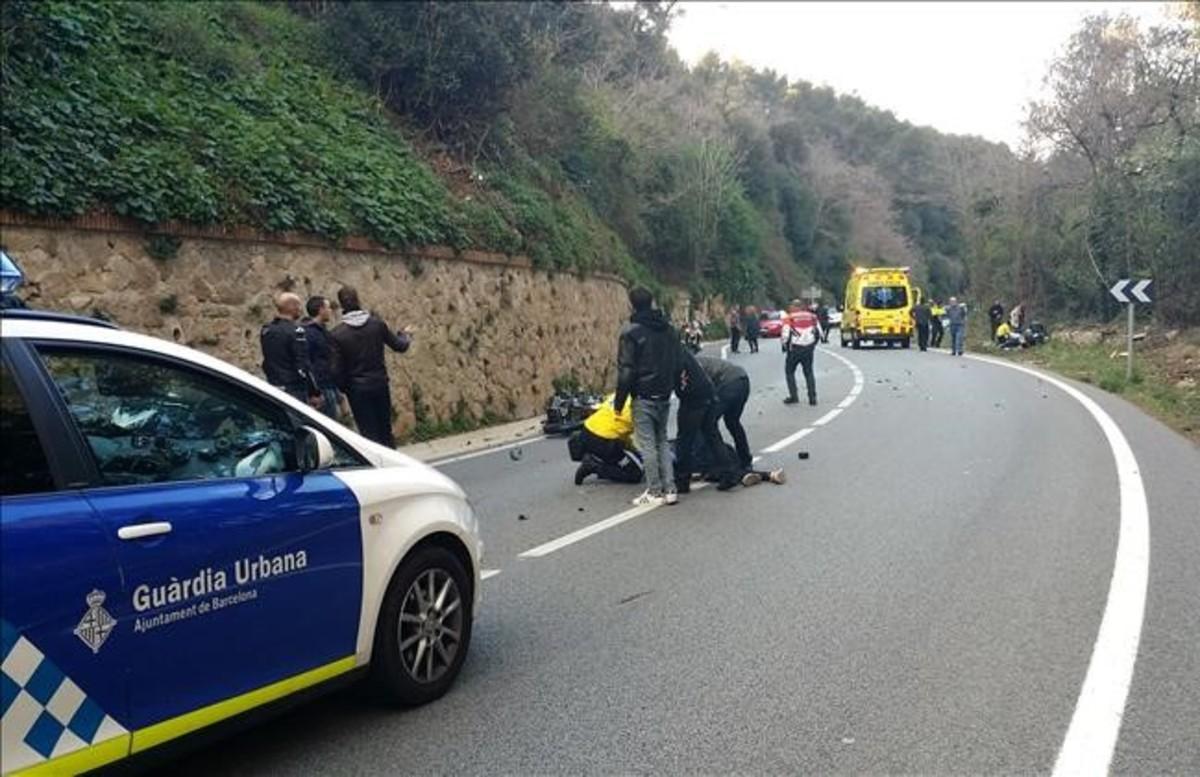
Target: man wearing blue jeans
[957,313]
[648,354]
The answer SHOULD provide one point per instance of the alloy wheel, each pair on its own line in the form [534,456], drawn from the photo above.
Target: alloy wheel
[431,625]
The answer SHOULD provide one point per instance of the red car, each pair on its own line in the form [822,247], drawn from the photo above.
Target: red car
[770,324]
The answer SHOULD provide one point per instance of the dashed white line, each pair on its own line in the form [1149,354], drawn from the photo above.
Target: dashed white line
[488,573]
[620,518]
[775,447]
[586,531]
[832,414]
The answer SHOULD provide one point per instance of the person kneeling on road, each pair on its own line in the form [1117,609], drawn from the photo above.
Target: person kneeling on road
[1006,338]
[698,415]
[732,391]
[604,446]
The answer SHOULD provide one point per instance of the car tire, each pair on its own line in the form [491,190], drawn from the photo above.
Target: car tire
[906,342]
[855,343]
[416,657]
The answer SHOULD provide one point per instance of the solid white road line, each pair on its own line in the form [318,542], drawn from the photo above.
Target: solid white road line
[1091,738]
[620,518]
[485,574]
[486,451]
[725,351]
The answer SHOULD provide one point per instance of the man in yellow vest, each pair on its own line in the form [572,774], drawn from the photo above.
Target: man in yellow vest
[937,330]
[605,445]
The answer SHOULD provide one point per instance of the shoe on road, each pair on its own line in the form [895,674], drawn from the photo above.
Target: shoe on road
[646,498]
[812,401]
[670,498]
[728,483]
[791,401]
[751,479]
[588,467]
[778,476]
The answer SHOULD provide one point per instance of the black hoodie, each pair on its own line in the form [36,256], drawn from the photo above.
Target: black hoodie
[357,353]
[647,357]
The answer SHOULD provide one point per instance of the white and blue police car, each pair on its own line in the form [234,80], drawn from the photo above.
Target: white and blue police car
[181,543]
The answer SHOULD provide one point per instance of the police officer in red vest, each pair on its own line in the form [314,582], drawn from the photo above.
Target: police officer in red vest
[800,335]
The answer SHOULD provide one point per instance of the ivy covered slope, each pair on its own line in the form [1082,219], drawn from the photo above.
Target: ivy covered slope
[236,114]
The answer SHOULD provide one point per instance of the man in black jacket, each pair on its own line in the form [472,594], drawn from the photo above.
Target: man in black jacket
[320,352]
[922,315]
[699,412]
[359,369]
[285,350]
[995,316]
[648,354]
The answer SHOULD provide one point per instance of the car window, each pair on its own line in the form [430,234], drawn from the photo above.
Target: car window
[148,421]
[884,297]
[23,465]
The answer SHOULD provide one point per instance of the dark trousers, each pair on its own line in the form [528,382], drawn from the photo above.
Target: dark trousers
[611,459]
[699,420]
[731,401]
[923,336]
[937,331]
[329,402]
[801,355]
[372,409]
[752,341]
[735,337]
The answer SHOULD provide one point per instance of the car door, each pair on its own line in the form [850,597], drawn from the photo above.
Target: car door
[62,683]
[241,571]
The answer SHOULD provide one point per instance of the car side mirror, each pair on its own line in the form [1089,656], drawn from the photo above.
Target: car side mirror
[313,449]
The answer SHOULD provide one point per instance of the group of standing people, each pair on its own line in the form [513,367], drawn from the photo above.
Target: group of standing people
[315,364]
[652,367]
[928,317]
[743,322]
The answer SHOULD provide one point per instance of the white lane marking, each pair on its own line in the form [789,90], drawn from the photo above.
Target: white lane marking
[832,414]
[725,352]
[845,403]
[587,531]
[486,451]
[485,574]
[775,447]
[1095,726]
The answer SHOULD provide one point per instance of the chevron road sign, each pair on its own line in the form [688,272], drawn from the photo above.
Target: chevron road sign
[1125,288]
[1130,292]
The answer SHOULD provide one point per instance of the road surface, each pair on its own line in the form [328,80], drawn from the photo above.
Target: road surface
[924,595]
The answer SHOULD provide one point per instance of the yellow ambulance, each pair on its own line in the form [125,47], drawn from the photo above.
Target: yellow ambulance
[878,307]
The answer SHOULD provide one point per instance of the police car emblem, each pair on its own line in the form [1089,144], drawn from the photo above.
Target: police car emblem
[97,624]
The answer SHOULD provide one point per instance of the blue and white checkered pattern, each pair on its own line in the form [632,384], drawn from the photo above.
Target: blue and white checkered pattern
[43,714]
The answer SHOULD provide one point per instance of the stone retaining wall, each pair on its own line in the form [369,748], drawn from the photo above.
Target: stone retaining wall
[490,333]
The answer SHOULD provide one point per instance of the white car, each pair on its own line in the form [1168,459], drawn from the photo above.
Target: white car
[181,543]
[835,318]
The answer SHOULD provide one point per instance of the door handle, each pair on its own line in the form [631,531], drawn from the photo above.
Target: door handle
[139,530]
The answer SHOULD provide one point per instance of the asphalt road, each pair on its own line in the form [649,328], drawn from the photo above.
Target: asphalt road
[923,596]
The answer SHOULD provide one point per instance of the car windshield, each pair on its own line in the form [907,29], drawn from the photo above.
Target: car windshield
[884,297]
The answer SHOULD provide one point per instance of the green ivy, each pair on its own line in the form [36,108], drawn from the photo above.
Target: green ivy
[207,113]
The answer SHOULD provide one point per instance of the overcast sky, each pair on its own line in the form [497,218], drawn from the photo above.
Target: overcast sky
[965,68]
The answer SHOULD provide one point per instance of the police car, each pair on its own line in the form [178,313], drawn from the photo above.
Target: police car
[181,543]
